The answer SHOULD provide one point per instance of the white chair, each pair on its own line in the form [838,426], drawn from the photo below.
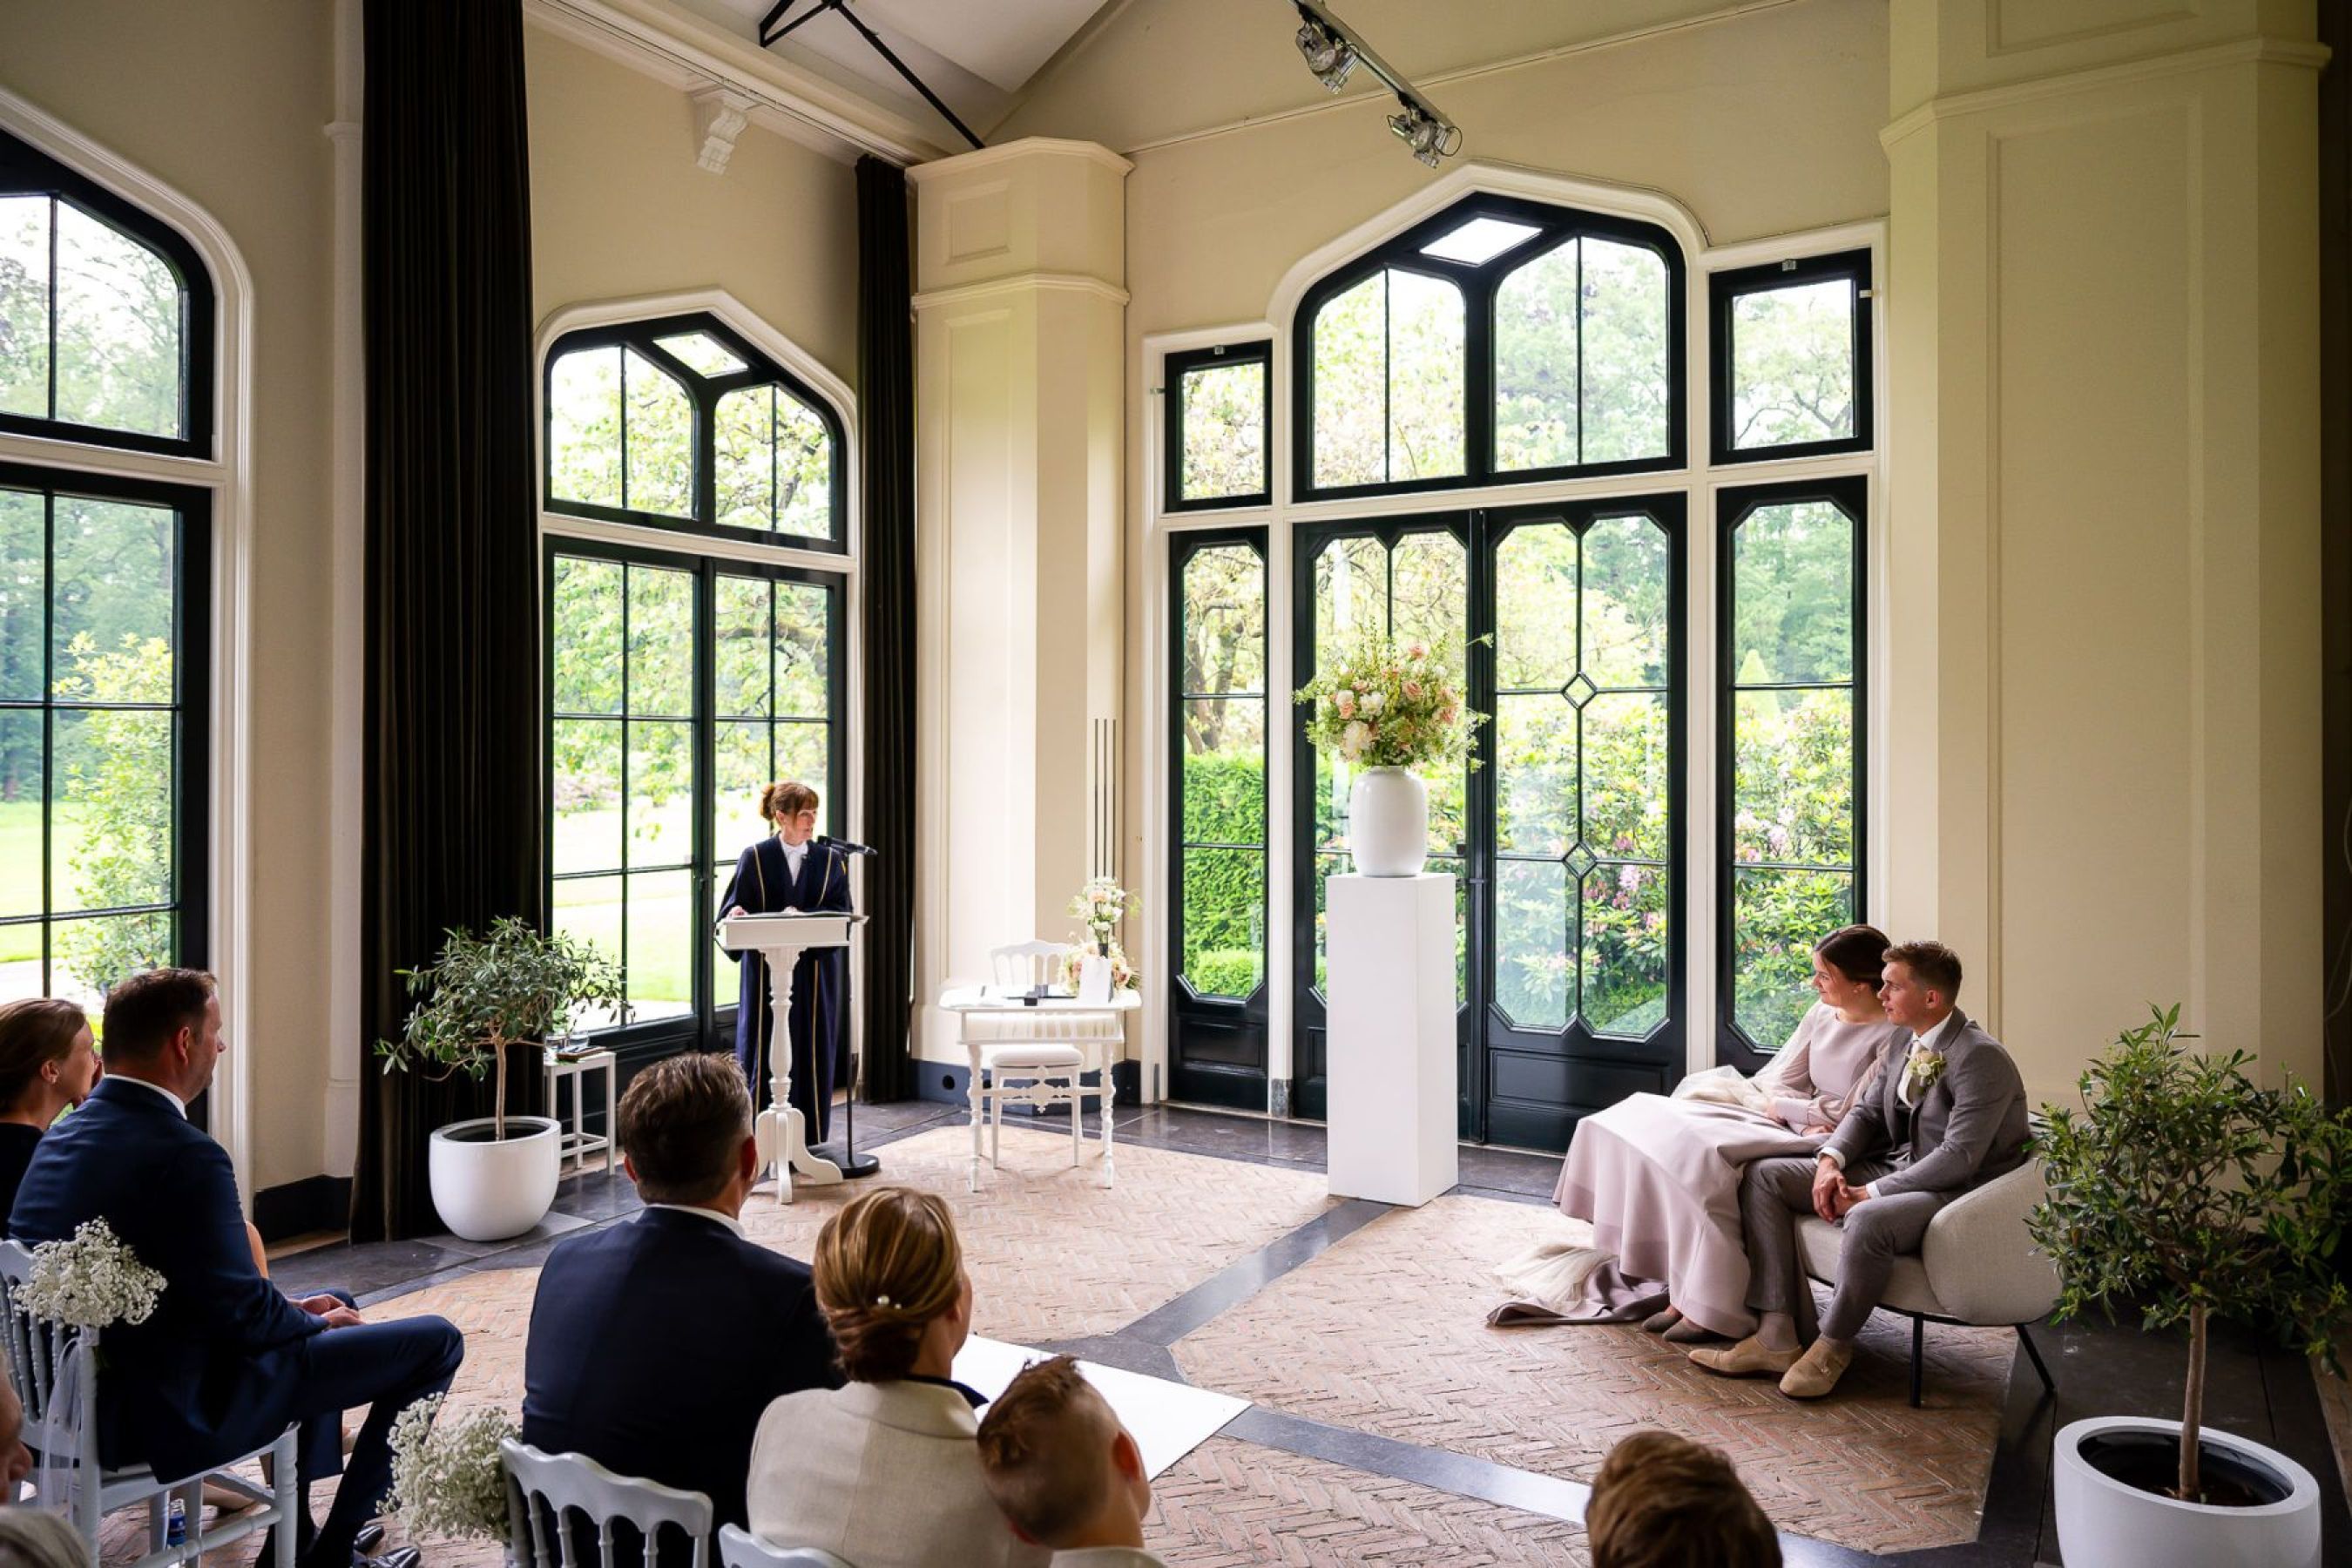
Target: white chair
[1040,1058]
[543,1489]
[739,1550]
[55,1368]
[1975,1267]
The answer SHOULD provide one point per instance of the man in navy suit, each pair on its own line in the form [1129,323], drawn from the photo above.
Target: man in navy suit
[657,1344]
[226,1362]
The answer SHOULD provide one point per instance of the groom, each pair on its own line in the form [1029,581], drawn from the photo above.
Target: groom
[1947,1116]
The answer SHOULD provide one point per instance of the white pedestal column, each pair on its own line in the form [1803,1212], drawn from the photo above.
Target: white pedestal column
[1388,1065]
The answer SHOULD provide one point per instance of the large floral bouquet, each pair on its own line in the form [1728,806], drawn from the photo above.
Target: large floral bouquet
[448,1481]
[1100,905]
[1380,704]
[91,1281]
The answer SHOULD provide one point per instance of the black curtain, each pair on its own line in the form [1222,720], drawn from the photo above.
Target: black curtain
[454,788]
[885,400]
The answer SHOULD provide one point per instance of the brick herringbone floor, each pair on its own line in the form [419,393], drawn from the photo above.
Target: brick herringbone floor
[1384,1333]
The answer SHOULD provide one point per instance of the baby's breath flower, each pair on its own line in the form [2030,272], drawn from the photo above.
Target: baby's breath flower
[448,1481]
[91,1281]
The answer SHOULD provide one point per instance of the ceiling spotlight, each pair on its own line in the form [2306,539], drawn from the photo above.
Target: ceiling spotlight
[1430,137]
[1327,54]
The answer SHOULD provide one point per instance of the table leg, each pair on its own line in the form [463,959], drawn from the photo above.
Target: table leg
[971,1095]
[612,1112]
[1109,1097]
[579,1119]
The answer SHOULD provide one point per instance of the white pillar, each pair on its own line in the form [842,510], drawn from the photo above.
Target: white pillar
[1390,1065]
[1020,309]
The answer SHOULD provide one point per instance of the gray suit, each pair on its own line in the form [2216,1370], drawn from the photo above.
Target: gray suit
[1969,1127]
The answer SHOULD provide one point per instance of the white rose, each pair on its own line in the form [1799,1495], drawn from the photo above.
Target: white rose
[1373,702]
[1355,740]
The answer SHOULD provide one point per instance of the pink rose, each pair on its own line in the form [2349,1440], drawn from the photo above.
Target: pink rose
[1413,688]
[1346,704]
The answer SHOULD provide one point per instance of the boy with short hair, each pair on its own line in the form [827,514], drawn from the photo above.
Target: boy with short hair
[1067,1474]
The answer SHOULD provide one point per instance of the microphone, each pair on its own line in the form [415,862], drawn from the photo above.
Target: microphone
[846,847]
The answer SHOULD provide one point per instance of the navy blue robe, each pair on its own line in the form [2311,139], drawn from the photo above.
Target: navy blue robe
[763,884]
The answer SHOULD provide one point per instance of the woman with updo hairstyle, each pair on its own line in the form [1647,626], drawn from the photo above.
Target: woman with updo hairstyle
[793,869]
[48,1062]
[885,1471]
[1659,1176]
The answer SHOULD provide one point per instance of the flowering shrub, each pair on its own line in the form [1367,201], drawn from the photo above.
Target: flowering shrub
[1390,705]
[1100,905]
[448,1482]
[91,1281]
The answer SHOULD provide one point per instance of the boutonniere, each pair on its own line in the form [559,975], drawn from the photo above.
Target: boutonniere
[1921,1072]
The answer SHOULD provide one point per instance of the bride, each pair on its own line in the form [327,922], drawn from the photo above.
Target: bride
[1659,1178]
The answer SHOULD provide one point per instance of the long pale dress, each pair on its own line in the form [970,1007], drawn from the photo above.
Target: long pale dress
[1659,1178]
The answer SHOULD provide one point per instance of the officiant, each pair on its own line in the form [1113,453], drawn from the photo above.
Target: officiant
[793,869]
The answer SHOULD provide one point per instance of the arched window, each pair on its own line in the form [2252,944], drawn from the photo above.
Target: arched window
[1501,339]
[680,423]
[696,654]
[106,342]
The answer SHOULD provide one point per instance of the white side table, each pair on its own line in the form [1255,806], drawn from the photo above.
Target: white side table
[578,1144]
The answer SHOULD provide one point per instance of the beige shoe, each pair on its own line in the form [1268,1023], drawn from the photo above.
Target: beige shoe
[1818,1371]
[1746,1358]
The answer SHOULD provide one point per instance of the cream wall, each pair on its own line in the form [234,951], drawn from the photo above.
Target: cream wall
[2105,637]
[619,207]
[228,102]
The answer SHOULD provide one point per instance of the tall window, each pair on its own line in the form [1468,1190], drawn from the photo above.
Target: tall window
[1791,746]
[1220,929]
[106,342]
[683,681]
[1499,339]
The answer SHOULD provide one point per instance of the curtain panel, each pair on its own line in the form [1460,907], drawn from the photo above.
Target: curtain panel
[454,782]
[886,399]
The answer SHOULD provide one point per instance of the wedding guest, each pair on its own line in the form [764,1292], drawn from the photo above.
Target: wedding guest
[1659,1178]
[1663,1502]
[227,1361]
[885,1471]
[1947,1116]
[1064,1471]
[16,1459]
[48,1062]
[36,1538]
[655,1345]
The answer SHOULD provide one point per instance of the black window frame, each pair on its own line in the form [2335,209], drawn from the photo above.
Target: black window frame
[709,1020]
[26,171]
[1244,1018]
[190,907]
[1478,285]
[1849,493]
[703,393]
[1725,289]
[1174,368]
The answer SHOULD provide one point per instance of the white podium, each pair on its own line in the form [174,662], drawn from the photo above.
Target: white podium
[1389,1056]
[779,940]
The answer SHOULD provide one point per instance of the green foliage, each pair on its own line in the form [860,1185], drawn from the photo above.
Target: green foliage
[118,322]
[1223,421]
[1224,890]
[1792,364]
[482,994]
[2187,1190]
[116,772]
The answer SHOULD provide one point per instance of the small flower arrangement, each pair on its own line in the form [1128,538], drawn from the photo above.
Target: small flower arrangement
[91,1281]
[1100,905]
[1920,1071]
[448,1481]
[1123,974]
[1383,704]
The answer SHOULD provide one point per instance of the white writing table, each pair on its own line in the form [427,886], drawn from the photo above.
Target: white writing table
[970,1002]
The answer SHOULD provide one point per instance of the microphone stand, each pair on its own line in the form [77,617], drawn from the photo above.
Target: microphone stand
[853,1163]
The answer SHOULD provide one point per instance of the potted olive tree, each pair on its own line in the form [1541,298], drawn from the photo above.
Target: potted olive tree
[2186,1191]
[494,1176]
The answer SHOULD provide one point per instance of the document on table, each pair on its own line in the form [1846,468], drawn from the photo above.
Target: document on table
[1169,1420]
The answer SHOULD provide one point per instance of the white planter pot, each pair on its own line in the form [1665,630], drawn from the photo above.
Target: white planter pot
[1388,823]
[490,1191]
[2103,1523]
